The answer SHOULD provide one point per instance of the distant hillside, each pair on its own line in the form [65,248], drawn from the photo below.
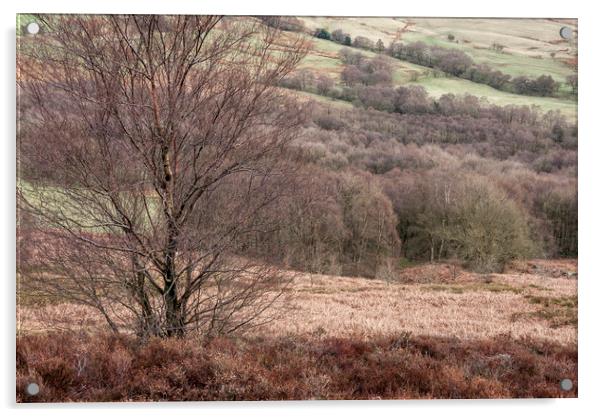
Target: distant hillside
[507,45]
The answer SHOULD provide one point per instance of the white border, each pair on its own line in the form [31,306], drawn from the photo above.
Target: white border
[590,218]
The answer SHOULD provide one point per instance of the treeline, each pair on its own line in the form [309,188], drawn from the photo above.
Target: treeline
[339,223]
[371,139]
[459,64]
[349,222]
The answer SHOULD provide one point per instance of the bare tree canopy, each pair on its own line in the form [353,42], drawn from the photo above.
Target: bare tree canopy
[148,147]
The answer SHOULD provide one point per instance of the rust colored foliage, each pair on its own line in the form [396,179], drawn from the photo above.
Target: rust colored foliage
[118,368]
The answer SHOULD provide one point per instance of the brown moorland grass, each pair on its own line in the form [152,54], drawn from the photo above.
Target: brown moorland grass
[471,306]
[521,304]
[70,367]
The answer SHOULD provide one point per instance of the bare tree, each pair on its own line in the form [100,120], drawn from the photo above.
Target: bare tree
[148,147]
[572,81]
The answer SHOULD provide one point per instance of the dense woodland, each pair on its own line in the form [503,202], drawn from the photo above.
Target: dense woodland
[379,189]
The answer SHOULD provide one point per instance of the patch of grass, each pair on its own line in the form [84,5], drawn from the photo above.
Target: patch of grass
[455,289]
[539,287]
[558,311]
[406,263]
[31,298]
[321,64]
[325,290]
[475,286]
[72,205]
[566,302]
[324,100]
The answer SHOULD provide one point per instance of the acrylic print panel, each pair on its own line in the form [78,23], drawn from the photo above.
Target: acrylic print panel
[294,208]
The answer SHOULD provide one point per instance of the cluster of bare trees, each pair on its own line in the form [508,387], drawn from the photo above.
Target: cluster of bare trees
[465,217]
[529,159]
[378,141]
[131,128]
[336,223]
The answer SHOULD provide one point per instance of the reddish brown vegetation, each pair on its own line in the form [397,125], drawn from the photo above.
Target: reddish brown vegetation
[108,368]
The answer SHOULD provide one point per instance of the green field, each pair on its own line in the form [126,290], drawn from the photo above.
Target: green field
[340,104]
[73,206]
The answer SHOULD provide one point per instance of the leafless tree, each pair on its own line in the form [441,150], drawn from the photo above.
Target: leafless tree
[148,147]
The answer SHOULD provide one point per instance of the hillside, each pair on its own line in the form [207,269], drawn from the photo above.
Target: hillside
[530,50]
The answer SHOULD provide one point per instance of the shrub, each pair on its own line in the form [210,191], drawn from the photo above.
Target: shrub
[324,85]
[363,43]
[544,85]
[488,230]
[322,34]
[341,37]
[329,122]
[572,81]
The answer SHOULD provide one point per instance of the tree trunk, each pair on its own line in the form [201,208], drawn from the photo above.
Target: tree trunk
[432,250]
[174,321]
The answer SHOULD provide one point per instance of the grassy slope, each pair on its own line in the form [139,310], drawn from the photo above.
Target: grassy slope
[520,60]
[322,99]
